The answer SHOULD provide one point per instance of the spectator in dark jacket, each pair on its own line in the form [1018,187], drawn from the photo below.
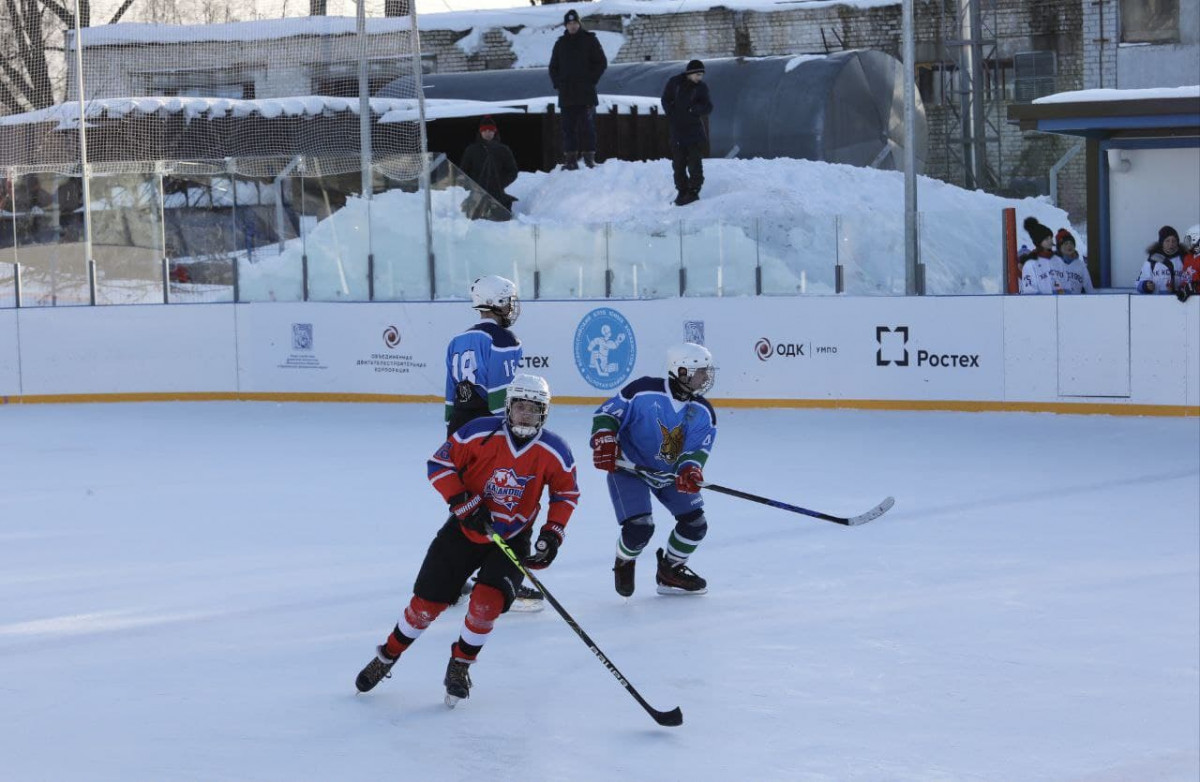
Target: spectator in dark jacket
[686,102]
[576,65]
[490,163]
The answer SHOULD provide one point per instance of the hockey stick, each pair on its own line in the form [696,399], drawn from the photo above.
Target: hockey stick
[848,521]
[670,718]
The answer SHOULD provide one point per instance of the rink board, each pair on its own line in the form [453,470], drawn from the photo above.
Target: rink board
[1108,353]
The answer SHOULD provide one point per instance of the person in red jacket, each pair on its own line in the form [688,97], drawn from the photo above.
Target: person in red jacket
[1189,273]
[491,472]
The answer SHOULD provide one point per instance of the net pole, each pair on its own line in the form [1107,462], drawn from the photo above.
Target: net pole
[85,172]
[419,90]
[364,101]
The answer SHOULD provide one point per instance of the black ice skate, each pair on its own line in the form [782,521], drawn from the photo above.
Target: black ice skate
[677,578]
[458,680]
[623,576]
[376,671]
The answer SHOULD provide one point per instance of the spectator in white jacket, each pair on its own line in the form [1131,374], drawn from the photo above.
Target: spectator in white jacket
[1163,264]
[1041,270]
[1076,277]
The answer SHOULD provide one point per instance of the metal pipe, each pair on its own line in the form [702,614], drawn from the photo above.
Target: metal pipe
[911,251]
[85,168]
[364,101]
[1058,166]
[419,88]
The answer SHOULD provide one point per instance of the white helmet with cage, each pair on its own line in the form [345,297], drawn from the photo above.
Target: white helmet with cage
[691,367]
[1191,239]
[497,295]
[531,388]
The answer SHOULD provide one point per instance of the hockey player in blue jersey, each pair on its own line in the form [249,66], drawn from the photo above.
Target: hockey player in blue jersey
[480,364]
[665,424]
[482,361]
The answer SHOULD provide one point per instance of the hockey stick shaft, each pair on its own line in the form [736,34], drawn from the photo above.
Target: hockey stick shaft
[669,718]
[847,521]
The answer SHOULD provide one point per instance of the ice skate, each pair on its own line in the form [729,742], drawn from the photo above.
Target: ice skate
[457,681]
[528,600]
[376,671]
[623,576]
[677,579]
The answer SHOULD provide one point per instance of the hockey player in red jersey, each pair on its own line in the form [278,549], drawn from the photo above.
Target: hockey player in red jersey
[492,472]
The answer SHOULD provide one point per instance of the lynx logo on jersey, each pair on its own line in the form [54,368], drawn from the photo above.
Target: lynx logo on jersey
[605,348]
[506,487]
[672,443]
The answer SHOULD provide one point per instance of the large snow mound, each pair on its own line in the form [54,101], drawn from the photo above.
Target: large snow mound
[793,220]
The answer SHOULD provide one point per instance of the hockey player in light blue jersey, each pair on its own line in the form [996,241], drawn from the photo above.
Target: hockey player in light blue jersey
[482,361]
[667,425]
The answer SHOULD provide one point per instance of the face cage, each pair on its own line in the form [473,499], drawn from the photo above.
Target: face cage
[525,430]
[508,312]
[710,378]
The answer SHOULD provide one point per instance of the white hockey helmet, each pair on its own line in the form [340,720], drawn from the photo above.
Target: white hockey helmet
[531,388]
[497,295]
[691,366]
[1191,239]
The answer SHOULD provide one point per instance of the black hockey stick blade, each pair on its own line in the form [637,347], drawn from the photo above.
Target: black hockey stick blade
[671,718]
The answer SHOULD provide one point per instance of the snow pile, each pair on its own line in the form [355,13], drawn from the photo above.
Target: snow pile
[795,218]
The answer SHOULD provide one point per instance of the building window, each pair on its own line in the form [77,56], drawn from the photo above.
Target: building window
[1149,21]
[1035,74]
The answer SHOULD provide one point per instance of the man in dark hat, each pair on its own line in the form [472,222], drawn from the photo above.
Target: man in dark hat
[576,65]
[686,102]
[489,162]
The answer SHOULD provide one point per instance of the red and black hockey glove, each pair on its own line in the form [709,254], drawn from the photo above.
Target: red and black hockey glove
[689,479]
[471,511]
[605,450]
[546,548]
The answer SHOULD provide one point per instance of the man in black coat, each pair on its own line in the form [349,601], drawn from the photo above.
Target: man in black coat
[576,65]
[490,163]
[686,102]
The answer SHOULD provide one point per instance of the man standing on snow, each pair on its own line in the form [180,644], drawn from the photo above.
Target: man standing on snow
[576,65]
[686,103]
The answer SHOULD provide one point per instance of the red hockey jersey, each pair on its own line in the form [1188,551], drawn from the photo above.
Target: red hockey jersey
[482,458]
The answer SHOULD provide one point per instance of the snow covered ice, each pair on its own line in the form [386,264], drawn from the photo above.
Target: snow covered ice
[189,589]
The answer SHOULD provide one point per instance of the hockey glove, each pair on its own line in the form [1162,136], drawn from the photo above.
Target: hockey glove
[689,479]
[1183,292]
[471,511]
[605,450]
[546,548]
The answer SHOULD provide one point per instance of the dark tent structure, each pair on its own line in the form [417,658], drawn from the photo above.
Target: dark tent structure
[846,107]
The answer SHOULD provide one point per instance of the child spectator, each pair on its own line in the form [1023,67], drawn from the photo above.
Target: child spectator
[1189,275]
[1076,277]
[1159,272]
[1041,269]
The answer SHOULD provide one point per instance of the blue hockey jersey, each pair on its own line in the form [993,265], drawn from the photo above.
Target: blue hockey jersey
[486,355]
[656,430]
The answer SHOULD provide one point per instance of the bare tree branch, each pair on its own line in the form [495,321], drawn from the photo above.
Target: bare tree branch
[121,11]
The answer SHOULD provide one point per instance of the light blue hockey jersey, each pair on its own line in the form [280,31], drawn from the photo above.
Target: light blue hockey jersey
[654,429]
[487,355]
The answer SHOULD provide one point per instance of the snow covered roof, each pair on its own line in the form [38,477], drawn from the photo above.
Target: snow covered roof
[391,109]
[528,16]
[1107,96]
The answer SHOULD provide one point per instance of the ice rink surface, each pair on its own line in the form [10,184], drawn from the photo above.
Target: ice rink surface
[187,591]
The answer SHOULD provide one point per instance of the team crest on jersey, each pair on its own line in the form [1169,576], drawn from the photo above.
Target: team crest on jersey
[506,487]
[672,443]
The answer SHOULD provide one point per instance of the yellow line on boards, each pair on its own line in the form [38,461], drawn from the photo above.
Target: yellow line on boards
[943,405]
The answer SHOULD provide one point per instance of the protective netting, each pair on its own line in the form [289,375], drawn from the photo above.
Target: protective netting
[205,142]
[251,97]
